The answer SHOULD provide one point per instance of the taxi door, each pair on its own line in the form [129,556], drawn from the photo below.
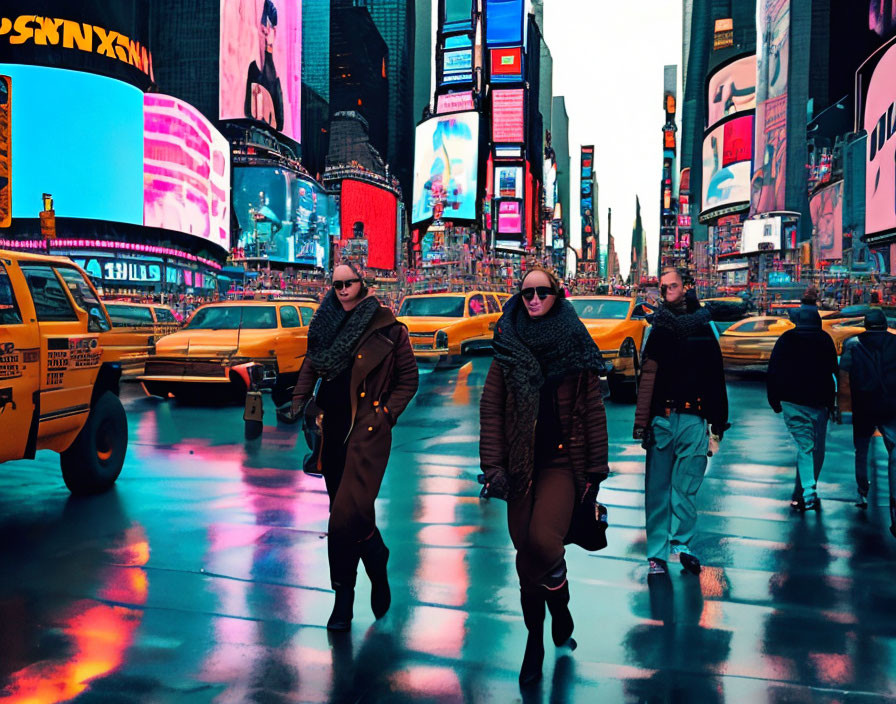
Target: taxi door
[291,343]
[477,311]
[19,363]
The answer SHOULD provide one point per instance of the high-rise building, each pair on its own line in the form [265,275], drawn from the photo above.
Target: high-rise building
[560,141]
[316,47]
[423,58]
[639,268]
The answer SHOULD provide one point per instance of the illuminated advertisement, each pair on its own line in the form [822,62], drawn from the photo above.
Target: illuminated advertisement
[53,112]
[504,21]
[454,102]
[770,164]
[510,217]
[508,116]
[458,15]
[877,91]
[727,151]
[761,235]
[732,89]
[509,181]
[457,66]
[826,207]
[260,65]
[283,216]
[372,213]
[432,248]
[446,158]
[507,64]
[550,184]
[96,36]
[186,171]
[586,204]
[882,16]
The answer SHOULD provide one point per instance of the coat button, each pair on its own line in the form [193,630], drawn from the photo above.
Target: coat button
[560,446]
[363,394]
[370,428]
[360,356]
[376,403]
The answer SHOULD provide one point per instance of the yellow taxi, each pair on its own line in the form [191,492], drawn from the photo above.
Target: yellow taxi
[617,325]
[136,327]
[214,350]
[749,342]
[444,327]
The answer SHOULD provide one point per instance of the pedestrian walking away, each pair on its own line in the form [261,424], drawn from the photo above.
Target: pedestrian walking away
[682,392]
[868,365]
[543,446]
[801,385]
[368,376]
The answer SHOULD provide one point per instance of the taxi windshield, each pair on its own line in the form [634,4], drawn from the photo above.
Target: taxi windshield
[234,318]
[597,309]
[435,307]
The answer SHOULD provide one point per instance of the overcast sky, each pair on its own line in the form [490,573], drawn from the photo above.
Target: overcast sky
[608,63]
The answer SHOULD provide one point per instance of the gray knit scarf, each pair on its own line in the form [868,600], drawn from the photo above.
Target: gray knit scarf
[334,334]
[677,319]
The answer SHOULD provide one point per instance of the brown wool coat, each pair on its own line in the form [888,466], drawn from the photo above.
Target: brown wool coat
[583,420]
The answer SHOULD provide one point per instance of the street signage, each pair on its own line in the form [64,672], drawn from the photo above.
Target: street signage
[5,151]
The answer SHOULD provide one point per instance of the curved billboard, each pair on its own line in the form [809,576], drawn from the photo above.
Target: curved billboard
[727,154]
[732,89]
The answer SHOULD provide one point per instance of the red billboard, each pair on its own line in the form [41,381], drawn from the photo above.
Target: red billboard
[370,212]
[507,63]
[508,116]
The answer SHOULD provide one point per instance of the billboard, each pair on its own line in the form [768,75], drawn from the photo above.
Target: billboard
[732,89]
[508,116]
[454,102]
[727,153]
[761,235]
[550,184]
[260,63]
[826,208]
[510,217]
[283,216]
[876,91]
[458,15]
[5,151]
[372,213]
[509,181]
[586,204]
[773,66]
[506,64]
[504,21]
[457,65]
[57,117]
[95,36]
[446,162]
[186,171]
[882,17]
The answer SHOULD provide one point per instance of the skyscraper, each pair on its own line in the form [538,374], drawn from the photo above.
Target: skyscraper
[316,46]
[423,58]
[560,141]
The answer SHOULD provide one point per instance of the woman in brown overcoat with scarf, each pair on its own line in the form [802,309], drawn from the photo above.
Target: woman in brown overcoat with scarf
[543,446]
[368,374]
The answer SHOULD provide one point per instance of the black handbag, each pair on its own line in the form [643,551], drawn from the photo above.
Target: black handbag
[312,427]
[588,528]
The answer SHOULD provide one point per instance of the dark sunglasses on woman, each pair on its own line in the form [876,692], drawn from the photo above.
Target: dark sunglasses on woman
[339,285]
[541,291]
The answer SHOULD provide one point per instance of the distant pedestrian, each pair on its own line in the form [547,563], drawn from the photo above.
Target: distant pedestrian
[870,362]
[682,390]
[365,364]
[800,384]
[543,445]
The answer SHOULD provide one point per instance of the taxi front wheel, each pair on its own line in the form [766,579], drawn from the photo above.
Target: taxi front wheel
[94,460]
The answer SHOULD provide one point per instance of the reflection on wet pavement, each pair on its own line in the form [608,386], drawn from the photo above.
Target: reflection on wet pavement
[203,576]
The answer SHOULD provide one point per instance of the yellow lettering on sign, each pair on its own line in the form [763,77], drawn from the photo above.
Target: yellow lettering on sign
[75,33]
[23,31]
[106,39]
[47,31]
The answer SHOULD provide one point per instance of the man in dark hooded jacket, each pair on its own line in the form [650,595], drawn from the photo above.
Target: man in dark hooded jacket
[870,361]
[800,381]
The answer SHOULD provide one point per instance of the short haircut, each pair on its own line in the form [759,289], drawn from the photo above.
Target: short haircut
[671,270]
[552,277]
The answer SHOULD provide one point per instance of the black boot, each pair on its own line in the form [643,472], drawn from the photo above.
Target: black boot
[375,555]
[561,619]
[341,618]
[533,616]
[343,574]
[893,515]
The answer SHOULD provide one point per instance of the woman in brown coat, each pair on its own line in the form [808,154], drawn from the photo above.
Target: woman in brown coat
[543,445]
[364,361]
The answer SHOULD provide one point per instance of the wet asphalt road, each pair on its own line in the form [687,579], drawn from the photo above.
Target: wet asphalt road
[202,577]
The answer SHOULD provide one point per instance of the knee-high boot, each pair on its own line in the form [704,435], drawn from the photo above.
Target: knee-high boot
[533,616]
[344,559]
[893,515]
[557,597]
[375,555]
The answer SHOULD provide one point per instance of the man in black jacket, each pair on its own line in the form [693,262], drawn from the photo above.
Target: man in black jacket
[682,389]
[870,362]
[800,381]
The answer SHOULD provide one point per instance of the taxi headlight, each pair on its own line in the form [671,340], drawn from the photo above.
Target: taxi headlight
[441,339]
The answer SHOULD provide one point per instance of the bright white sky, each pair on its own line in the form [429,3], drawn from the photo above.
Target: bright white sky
[608,63]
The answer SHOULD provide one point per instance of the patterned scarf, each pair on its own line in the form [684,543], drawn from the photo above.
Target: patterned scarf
[679,321]
[531,351]
[334,334]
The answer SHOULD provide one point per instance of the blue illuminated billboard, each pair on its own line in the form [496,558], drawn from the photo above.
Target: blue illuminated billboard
[504,22]
[79,137]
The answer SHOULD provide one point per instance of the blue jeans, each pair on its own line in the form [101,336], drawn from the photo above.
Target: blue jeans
[861,438]
[808,425]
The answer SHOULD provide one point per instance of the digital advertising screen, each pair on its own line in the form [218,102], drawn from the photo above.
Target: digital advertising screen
[877,93]
[732,89]
[457,66]
[372,211]
[283,216]
[826,208]
[882,17]
[761,235]
[458,15]
[773,65]
[510,217]
[186,171]
[727,153]
[509,181]
[550,184]
[506,64]
[508,116]
[96,36]
[261,63]
[504,21]
[58,117]
[446,160]
[454,102]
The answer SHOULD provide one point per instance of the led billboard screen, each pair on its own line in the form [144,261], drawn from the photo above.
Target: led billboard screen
[504,21]
[458,15]
[78,136]
[507,64]
[508,116]
[727,152]
[446,158]
[457,66]
[510,217]
[761,235]
[186,171]
[732,89]
[882,17]
[454,102]
[826,208]
[770,164]
[260,64]
[509,181]
[283,216]
[371,212]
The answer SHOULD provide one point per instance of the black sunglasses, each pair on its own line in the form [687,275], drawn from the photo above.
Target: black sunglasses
[339,285]
[541,291]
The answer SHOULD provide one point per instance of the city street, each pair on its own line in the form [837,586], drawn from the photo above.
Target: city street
[202,576]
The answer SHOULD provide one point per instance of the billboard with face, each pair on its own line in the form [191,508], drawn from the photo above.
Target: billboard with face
[826,208]
[260,65]
[770,164]
[446,160]
[727,151]
[732,89]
